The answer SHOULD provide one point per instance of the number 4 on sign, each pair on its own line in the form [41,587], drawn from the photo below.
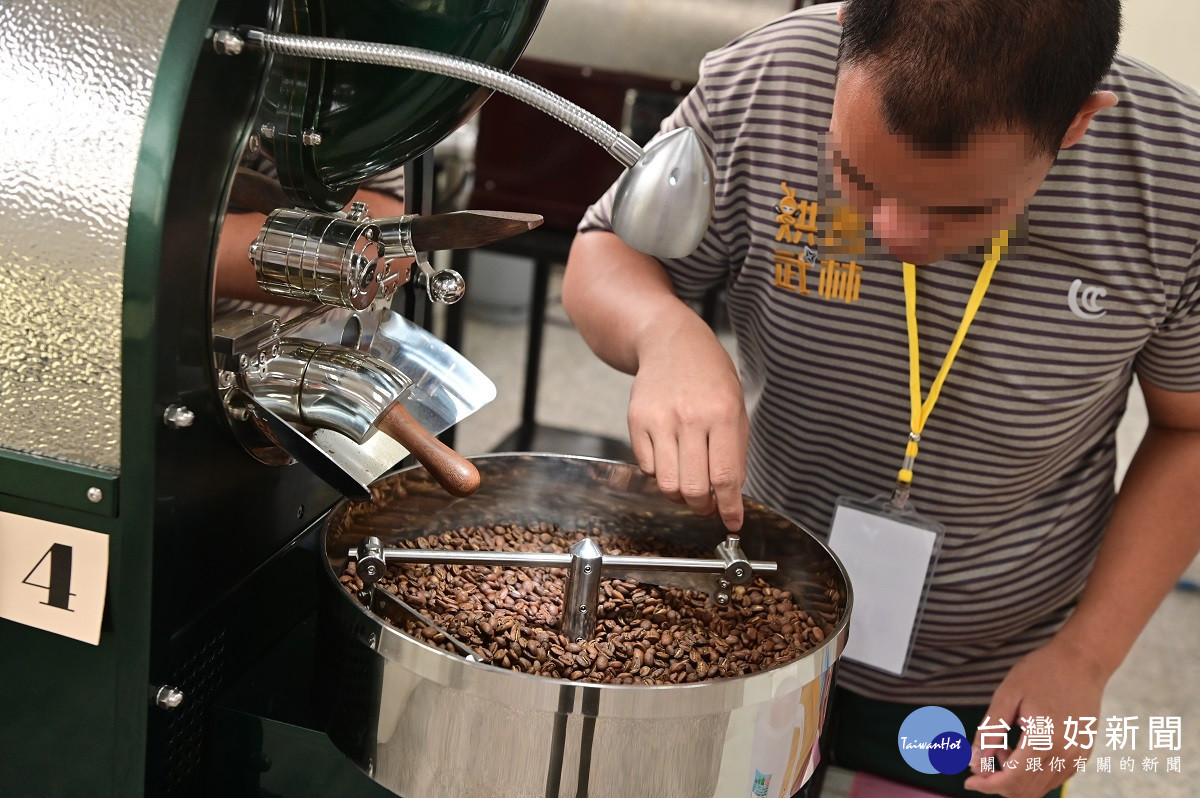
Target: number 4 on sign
[53,577]
[57,562]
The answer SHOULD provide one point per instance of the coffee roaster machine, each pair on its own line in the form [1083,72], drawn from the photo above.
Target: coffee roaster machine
[193,445]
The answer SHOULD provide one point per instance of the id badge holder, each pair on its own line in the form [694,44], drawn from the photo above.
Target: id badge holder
[889,555]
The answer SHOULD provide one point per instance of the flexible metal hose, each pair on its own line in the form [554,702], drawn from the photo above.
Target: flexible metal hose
[617,144]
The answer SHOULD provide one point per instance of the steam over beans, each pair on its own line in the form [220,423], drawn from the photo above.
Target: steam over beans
[644,634]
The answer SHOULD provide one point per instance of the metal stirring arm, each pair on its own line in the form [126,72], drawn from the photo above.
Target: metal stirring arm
[732,568]
[396,609]
[586,565]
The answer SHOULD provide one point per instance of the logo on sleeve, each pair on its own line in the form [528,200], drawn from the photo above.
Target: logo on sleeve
[1084,301]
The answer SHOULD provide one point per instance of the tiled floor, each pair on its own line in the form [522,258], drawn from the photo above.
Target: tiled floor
[1161,677]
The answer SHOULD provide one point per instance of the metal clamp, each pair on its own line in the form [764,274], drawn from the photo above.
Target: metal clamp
[330,258]
[371,565]
[738,569]
[395,234]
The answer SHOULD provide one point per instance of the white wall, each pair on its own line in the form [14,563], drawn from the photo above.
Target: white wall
[1163,34]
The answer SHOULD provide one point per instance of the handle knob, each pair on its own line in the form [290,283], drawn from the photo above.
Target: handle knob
[452,471]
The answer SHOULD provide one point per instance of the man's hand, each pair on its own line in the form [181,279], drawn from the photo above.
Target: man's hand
[1056,681]
[1153,533]
[687,415]
[687,420]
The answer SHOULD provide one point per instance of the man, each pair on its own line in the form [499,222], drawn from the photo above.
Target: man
[941,126]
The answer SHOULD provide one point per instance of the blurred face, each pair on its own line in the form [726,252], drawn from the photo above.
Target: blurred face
[920,206]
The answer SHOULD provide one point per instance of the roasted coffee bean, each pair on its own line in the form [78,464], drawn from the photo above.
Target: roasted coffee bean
[645,634]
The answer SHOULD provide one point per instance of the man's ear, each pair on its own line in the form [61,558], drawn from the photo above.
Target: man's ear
[1096,102]
[841,13]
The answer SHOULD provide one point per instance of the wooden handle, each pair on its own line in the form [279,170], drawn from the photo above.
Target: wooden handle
[452,471]
[467,229]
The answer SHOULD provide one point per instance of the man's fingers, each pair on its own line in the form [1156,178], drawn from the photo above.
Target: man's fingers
[665,467]
[647,455]
[693,471]
[643,449]
[695,450]
[727,474]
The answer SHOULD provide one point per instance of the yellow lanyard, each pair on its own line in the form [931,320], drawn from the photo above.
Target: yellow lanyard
[921,410]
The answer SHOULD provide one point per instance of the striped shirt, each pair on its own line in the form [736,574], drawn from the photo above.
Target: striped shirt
[1018,458]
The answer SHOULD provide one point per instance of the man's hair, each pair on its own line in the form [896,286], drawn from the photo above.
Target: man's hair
[946,69]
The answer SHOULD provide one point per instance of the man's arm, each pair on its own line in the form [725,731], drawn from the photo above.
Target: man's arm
[619,299]
[687,416]
[1152,537]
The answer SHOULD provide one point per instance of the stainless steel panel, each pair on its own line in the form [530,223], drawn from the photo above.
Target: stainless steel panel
[75,84]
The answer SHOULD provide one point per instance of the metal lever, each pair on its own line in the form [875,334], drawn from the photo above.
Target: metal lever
[408,236]
[442,285]
[290,381]
[326,386]
[586,566]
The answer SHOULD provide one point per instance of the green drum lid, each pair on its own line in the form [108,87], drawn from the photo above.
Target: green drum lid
[372,119]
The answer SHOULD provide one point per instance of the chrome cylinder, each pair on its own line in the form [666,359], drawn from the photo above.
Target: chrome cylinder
[395,234]
[426,723]
[326,386]
[580,607]
[319,258]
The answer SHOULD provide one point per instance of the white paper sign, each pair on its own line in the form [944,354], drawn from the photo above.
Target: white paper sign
[887,561]
[53,577]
